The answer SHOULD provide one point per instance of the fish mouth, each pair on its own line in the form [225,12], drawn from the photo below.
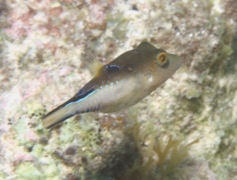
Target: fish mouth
[175,61]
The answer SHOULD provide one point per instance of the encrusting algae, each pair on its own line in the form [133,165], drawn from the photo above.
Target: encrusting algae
[121,83]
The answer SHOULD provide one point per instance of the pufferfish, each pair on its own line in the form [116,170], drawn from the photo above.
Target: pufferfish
[119,84]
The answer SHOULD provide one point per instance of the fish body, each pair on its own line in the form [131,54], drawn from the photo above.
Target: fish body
[121,83]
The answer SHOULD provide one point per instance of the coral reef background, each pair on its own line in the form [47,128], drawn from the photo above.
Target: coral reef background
[44,49]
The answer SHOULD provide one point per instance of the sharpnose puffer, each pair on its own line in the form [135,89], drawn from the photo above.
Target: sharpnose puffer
[119,84]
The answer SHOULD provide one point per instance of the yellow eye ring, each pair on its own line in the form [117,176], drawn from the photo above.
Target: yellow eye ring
[162,58]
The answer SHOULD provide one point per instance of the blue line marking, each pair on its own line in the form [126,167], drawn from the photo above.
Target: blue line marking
[79,100]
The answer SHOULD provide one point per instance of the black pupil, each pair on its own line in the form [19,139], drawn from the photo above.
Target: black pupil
[162,58]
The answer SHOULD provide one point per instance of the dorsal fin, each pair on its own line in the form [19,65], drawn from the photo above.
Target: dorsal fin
[146,46]
[94,64]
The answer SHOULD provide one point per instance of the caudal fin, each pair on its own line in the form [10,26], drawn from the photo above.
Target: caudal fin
[58,115]
[77,104]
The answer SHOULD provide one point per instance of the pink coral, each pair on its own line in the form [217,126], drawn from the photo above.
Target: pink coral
[22,157]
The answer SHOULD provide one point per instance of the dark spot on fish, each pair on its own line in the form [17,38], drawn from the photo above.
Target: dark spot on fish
[111,68]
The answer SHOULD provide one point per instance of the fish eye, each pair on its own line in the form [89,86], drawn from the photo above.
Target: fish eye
[162,58]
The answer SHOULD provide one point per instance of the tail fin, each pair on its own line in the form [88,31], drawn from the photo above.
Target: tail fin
[59,114]
[73,106]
